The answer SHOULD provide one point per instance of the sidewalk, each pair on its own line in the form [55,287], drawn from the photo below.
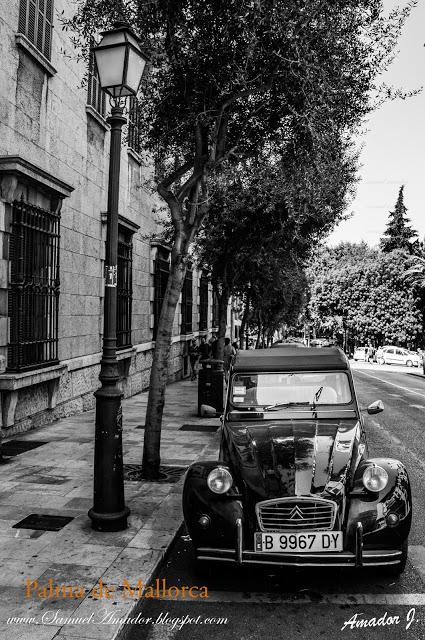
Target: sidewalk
[56,479]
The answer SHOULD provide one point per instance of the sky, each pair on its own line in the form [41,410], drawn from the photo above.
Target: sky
[393,147]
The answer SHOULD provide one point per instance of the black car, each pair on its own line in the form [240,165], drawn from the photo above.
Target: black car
[294,484]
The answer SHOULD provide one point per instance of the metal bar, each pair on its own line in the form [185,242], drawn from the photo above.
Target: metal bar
[239,541]
[359,545]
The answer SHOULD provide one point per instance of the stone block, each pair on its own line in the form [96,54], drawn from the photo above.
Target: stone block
[65,388]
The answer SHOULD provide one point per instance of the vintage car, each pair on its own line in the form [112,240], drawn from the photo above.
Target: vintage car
[294,484]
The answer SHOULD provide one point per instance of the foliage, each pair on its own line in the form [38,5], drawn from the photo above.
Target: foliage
[398,234]
[363,290]
[264,219]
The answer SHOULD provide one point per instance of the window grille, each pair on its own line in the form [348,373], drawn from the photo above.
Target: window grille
[96,97]
[34,287]
[134,121]
[124,289]
[161,273]
[187,303]
[203,304]
[35,22]
[215,318]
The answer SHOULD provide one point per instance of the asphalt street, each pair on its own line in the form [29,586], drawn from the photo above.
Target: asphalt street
[314,604]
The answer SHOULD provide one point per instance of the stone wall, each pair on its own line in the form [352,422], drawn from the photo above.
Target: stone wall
[45,121]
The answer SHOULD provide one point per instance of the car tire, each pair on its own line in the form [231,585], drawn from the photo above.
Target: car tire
[409,363]
[397,569]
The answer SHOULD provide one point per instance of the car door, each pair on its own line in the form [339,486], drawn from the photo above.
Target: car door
[389,355]
[400,356]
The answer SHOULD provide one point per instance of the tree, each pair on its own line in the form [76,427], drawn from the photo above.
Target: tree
[228,77]
[398,234]
[263,221]
[363,291]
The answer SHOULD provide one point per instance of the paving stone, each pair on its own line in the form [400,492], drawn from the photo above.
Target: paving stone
[57,479]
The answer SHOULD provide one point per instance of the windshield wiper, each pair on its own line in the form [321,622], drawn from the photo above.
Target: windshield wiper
[280,405]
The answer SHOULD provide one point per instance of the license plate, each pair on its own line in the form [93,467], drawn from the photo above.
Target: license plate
[311,542]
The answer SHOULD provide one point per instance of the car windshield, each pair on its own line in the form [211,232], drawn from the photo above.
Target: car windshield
[288,389]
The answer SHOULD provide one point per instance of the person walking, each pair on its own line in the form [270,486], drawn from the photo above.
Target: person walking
[229,352]
[193,357]
[204,351]
[214,346]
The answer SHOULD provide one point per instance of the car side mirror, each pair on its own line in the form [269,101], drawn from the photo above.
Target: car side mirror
[375,407]
[207,411]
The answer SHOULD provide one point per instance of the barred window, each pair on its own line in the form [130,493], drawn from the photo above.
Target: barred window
[134,120]
[96,97]
[187,303]
[33,298]
[215,318]
[161,273]
[203,303]
[124,288]
[35,22]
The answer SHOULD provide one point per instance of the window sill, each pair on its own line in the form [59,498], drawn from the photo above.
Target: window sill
[125,352]
[135,156]
[27,46]
[91,111]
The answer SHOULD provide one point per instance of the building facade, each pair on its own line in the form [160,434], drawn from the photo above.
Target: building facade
[54,161]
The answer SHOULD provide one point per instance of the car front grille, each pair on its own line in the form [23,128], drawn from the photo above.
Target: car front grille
[296,514]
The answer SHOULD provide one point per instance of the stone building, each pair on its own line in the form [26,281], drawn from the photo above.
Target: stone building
[54,146]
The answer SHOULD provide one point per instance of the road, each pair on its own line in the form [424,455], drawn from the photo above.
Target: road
[313,604]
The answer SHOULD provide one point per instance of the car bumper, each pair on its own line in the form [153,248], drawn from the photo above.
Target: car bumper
[359,558]
[370,558]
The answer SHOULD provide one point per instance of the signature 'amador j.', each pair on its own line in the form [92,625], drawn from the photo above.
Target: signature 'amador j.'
[294,484]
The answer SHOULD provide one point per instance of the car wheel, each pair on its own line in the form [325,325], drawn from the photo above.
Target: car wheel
[397,569]
[409,363]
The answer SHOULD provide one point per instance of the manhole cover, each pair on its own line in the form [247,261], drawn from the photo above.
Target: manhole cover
[203,428]
[168,474]
[15,447]
[43,522]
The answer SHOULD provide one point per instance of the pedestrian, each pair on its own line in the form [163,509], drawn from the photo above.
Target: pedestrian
[235,346]
[229,353]
[214,346]
[204,352]
[193,358]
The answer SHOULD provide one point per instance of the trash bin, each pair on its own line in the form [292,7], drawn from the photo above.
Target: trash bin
[211,385]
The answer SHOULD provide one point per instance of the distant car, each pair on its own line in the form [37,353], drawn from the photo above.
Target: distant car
[360,353]
[397,355]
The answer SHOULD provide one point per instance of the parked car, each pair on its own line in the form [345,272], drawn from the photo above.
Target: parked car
[360,353]
[397,355]
[293,484]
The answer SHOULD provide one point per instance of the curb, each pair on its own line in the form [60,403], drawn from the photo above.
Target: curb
[124,629]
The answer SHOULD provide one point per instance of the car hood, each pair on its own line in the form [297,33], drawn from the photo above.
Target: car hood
[296,457]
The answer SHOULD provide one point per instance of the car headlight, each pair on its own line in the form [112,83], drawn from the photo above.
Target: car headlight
[219,480]
[375,478]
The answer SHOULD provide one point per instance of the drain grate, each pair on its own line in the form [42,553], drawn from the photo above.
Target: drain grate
[43,522]
[15,447]
[203,428]
[168,474]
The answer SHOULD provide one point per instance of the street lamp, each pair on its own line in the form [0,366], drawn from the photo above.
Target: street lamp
[120,63]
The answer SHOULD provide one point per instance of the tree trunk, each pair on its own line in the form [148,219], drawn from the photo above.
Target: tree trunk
[260,329]
[223,301]
[244,324]
[159,370]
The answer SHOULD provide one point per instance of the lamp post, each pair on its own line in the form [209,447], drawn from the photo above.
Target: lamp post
[120,63]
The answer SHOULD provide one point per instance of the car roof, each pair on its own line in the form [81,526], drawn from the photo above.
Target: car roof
[307,359]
